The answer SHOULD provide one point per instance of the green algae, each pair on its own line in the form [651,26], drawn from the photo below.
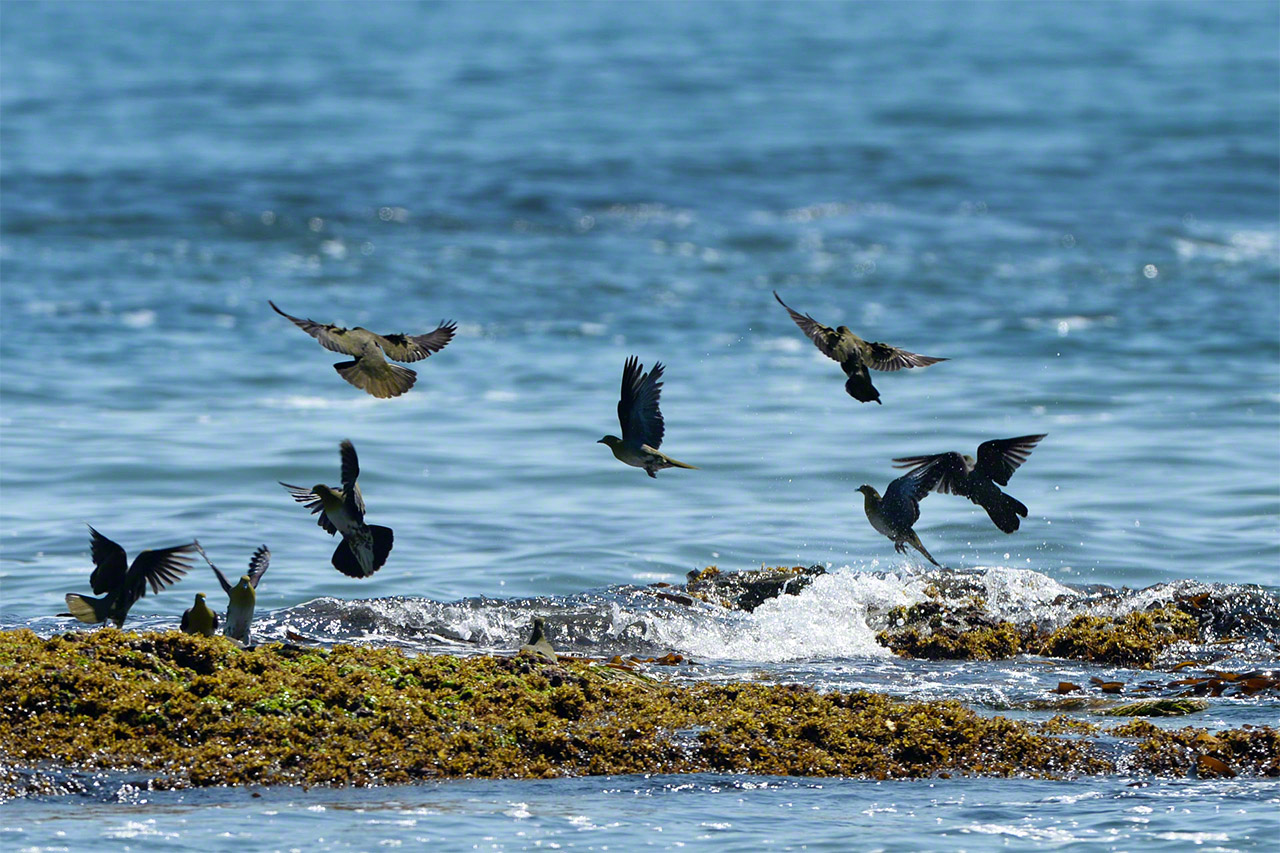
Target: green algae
[184,710]
[935,630]
[1158,708]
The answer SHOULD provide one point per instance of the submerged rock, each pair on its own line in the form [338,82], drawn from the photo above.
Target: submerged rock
[180,710]
[749,589]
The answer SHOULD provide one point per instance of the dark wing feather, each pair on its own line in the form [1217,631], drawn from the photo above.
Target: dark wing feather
[881,356]
[353,501]
[330,337]
[222,579]
[1000,457]
[417,347]
[638,407]
[161,567]
[824,337]
[111,564]
[313,503]
[952,467]
[258,564]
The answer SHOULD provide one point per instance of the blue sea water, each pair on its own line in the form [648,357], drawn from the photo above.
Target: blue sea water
[1076,203]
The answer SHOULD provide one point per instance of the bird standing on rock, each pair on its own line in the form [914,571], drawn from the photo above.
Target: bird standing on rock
[364,547]
[242,598]
[980,480]
[539,646]
[899,509]
[199,619]
[370,370]
[641,421]
[856,355]
[120,584]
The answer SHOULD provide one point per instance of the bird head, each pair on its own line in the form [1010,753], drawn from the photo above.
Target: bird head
[868,491]
[200,598]
[245,582]
[611,440]
[329,498]
[842,330]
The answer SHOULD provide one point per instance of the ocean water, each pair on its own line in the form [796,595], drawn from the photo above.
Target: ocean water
[1077,204]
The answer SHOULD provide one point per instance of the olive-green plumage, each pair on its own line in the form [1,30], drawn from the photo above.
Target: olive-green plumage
[199,619]
[641,421]
[980,479]
[242,597]
[895,514]
[538,645]
[364,547]
[121,584]
[370,371]
[856,355]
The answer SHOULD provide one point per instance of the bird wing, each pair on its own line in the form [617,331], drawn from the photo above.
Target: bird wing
[638,410]
[313,503]
[352,500]
[881,356]
[110,563]
[258,564]
[903,494]
[416,347]
[1000,457]
[830,342]
[161,567]
[953,468]
[222,579]
[330,337]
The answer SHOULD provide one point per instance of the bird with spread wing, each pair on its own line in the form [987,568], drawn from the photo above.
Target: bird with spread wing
[369,371]
[121,584]
[364,547]
[980,479]
[896,513]
[856,355]
[242,597]
[641,421]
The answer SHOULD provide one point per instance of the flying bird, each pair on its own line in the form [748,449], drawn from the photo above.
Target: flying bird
[899,509]
[199,619]
[242,597]
[641,421]
[364,547]
[121,584]
[980,480]
[856,355]
[370,370]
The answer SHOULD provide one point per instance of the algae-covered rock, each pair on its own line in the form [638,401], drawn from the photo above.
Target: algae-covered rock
[748,590]
[1158,708]
[1134,640]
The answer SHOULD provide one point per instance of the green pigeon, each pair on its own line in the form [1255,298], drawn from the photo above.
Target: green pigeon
[899,509]
[243,596]
[121,584]
[364,547]
[641,421]
[199,619]
[538,645]
[370,370]
[980,479]
[856,355]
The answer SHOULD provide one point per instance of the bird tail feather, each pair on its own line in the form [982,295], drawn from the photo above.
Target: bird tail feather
[860,388]
[678,464]
[1005,513]
[919,546]
[91,610]
[383,539]
[379,379]
[345,560]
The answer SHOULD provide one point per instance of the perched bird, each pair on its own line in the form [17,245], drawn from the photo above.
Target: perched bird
[538,645]
[364,547]
[641,421]
[199,619]
[895,513]
[980,480]
[856,355]
[120,584]
[370,371]
[243,596]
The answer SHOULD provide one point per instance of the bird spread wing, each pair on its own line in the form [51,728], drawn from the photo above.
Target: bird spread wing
[416,347]
[161,567]
[904,493]
[830,342]
[952,467]
[352,500]
[258,564]
[638,411]
[881,356]
[222,579]
[330,337]
[1000,457]
[110,563]
[313,503]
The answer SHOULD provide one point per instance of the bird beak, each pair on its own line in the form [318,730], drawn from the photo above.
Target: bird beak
[601,441]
